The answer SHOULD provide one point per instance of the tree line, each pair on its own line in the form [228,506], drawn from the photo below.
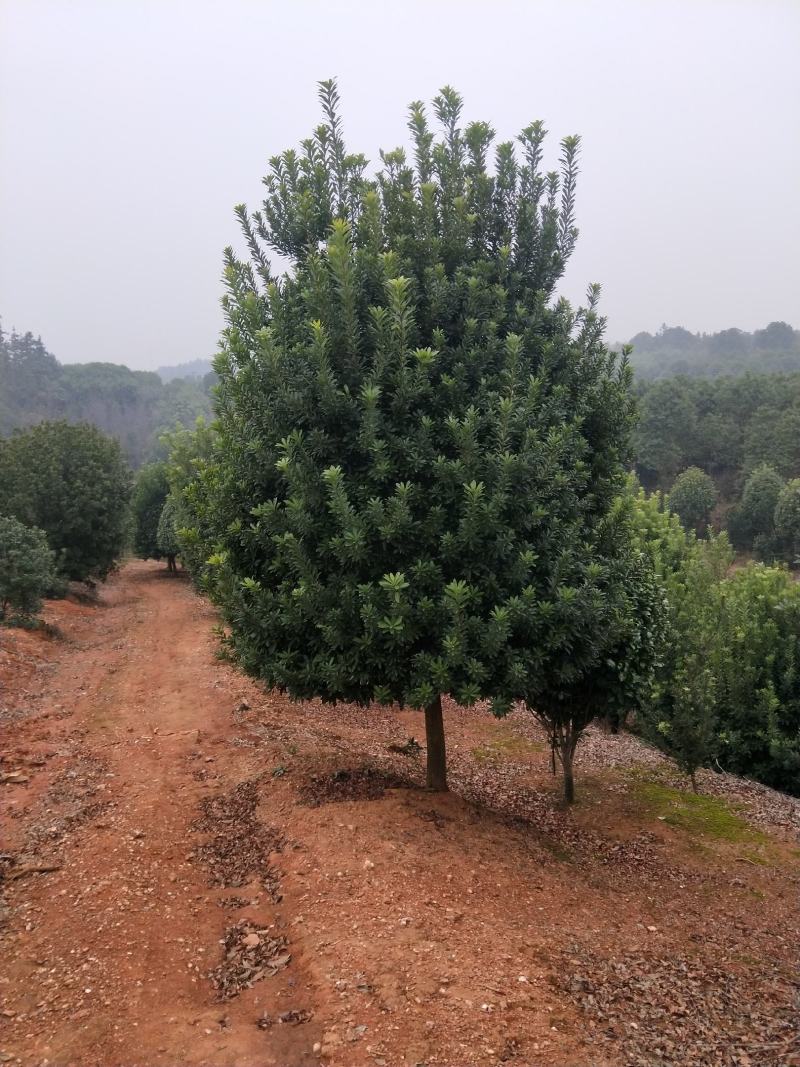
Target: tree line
[675,352]
[132,406]
[728,451]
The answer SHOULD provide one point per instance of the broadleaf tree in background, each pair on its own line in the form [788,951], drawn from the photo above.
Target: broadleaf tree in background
[752,523]
[692,498]
[72,482]
[167,534]
[27,568]
[787,522]
[150,491]
[419,448]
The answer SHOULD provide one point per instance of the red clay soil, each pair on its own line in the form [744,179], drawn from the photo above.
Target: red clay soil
[199,872]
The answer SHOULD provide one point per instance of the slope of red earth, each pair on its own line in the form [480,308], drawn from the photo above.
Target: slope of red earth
[199,872]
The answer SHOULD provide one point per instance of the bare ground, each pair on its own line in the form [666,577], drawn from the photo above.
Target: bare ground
[199,872]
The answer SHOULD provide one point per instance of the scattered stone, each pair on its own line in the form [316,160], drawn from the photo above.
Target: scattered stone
[411,747]
[295,1016]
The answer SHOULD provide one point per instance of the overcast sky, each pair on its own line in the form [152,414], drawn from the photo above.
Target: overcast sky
[130,128]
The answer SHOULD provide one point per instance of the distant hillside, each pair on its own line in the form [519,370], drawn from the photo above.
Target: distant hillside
[195,368]
[673,351]
[133,406]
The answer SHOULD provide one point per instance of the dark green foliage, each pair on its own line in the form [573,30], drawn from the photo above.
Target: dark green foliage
[616,638]
[167,530]
[674,351]
[191,480]
[418,449]
[753,524]
[727,427]
[787,522]
[684,716]
[692,497]
[72,482]
[27,568]
[728,693]
[129,405]
[758,664]
[150,491]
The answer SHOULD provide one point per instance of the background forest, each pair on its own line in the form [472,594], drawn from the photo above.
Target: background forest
[133,406]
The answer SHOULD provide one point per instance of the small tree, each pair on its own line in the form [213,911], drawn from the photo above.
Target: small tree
[167,538]
[756,513]
[150,492]
[683,716]
[71,482]
[27,568]
[417,445]
[614,612]
[189,458]
[692,497]
[787,521]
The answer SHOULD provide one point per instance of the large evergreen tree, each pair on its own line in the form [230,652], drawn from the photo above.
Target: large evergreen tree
[419,446]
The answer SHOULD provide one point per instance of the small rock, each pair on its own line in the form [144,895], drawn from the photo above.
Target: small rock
[368,865]
[251,940]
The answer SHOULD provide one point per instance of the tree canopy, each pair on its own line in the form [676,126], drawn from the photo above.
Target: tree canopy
[418,447]
[692,497]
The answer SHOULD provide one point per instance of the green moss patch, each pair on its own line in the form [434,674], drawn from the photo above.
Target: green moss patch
[707,816]
[508,747]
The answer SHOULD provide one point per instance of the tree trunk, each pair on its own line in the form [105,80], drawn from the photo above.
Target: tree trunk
[434,739]
[566,741]
[693,780]
[569,780]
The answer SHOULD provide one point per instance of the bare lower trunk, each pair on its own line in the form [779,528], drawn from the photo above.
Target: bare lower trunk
[693,781]
[569,780]
[564,742]
[171,566]
[434,739]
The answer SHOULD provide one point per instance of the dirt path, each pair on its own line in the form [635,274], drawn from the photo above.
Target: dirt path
[204,835]
[110,964]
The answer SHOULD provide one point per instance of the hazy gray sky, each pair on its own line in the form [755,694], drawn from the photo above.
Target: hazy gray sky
[130,128]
